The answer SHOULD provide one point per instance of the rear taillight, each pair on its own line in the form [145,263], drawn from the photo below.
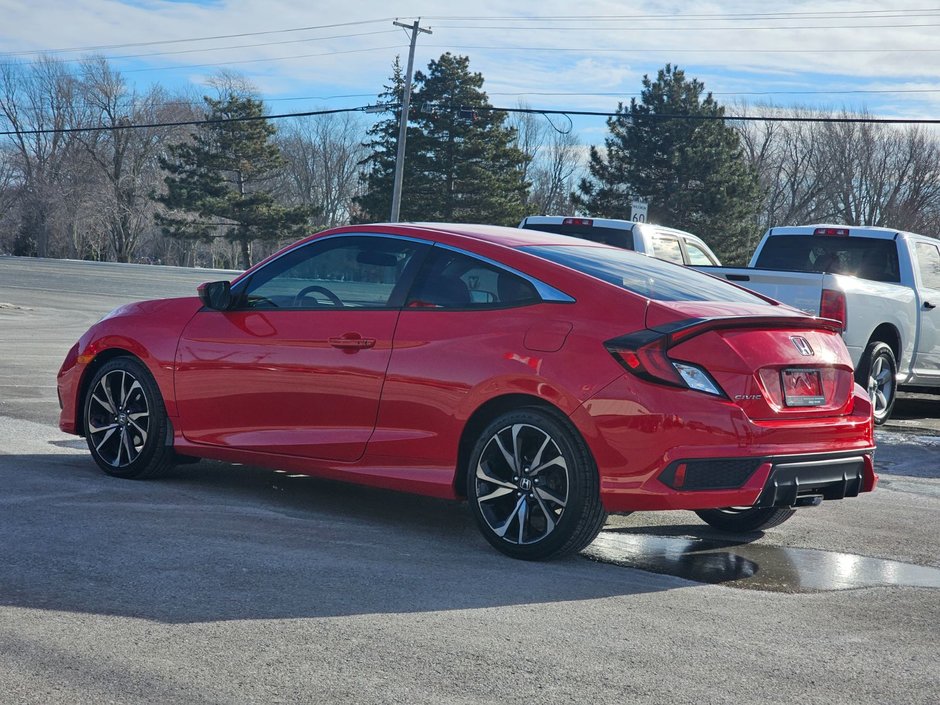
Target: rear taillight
[587,222]
[644,354]
[832,305]
[832,232]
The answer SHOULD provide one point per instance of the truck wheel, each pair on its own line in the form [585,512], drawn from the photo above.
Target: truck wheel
[878,373]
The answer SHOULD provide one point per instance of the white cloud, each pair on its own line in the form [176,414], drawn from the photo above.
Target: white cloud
[609,54]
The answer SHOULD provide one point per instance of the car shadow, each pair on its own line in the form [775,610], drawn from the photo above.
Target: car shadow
[216,541]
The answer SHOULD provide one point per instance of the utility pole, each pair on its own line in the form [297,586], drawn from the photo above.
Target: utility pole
[403,119]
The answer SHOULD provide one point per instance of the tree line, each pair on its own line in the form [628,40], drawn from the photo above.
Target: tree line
[76,182]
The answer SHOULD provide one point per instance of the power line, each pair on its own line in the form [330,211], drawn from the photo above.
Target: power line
[231,46]
[694,28]
[191,39]
[616,94]
[850,14]
[822,14]
[671,50]
[256,61]
[722,118]
[477,108]
[179,123]
[605,94]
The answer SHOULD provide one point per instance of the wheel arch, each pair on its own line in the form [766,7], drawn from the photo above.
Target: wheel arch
[887,333]
[88,375]
[484,415]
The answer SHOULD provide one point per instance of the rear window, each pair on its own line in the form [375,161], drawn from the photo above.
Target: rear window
[646,276]
[608,236]
[863,257]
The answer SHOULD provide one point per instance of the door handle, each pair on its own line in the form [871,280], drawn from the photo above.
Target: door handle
[352,342]
[929,306]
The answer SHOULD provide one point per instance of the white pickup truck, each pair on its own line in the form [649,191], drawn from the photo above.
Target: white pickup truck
[883,284]
[654,240]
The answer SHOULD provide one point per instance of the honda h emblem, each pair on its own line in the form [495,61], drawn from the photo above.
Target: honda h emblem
[802,344]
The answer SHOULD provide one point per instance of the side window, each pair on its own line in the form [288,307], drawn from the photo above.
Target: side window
[453,280]
[667,248]
[696,254]
[928,262]
[341,272]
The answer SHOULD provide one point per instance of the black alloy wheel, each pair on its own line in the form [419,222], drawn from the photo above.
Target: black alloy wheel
[125,421]
[533,487]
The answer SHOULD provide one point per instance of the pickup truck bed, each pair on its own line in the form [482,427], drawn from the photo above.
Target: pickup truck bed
[882,284]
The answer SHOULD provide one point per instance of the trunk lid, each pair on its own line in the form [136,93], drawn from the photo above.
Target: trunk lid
[773,362]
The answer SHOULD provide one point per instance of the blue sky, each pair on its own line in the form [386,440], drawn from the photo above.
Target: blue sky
[549,53]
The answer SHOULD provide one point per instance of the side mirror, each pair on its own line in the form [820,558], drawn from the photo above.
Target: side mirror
[216,295]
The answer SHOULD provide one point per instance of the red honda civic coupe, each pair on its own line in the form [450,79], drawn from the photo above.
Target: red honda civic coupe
[546,379]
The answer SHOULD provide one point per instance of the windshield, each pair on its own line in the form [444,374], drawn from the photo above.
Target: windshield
[646,276]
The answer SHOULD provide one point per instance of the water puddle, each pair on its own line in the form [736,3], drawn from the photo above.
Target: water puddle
[754,566]
[902,438]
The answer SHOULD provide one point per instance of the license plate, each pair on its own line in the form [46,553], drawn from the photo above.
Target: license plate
[802,387]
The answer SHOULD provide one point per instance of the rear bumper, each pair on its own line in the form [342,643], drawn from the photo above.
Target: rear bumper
[775,481]
[707,454]
[792,479]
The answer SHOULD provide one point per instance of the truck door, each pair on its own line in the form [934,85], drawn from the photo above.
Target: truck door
[927,363]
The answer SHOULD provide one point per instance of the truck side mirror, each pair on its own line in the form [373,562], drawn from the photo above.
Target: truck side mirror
[216,295]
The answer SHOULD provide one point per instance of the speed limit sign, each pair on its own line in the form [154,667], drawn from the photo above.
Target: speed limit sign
[638,211]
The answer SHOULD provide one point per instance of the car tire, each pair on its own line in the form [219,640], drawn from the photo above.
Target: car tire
[878,373]
[125,421]
[742,520]
[533,486]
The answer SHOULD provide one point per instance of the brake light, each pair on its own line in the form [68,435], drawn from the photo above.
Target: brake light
[832,232]
[587,222]
[832,305]
[644,354]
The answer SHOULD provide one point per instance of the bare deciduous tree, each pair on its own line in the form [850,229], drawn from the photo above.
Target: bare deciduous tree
[323,156]
[790,165]
[554,162]
[556,174]
[8,180]
[35,101]
[882,175]
[845,172]
[530,134]
[125,159]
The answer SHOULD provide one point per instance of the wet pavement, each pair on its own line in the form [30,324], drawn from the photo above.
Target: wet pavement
[754,566]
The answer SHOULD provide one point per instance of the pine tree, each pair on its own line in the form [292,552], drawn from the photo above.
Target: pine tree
[216,181]
[460,164]
[378,176]
[691,171]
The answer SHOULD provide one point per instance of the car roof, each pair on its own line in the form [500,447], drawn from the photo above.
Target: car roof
[494,234]
[455,234]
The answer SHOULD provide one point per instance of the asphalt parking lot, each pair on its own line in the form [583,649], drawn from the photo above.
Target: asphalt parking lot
[226,583]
